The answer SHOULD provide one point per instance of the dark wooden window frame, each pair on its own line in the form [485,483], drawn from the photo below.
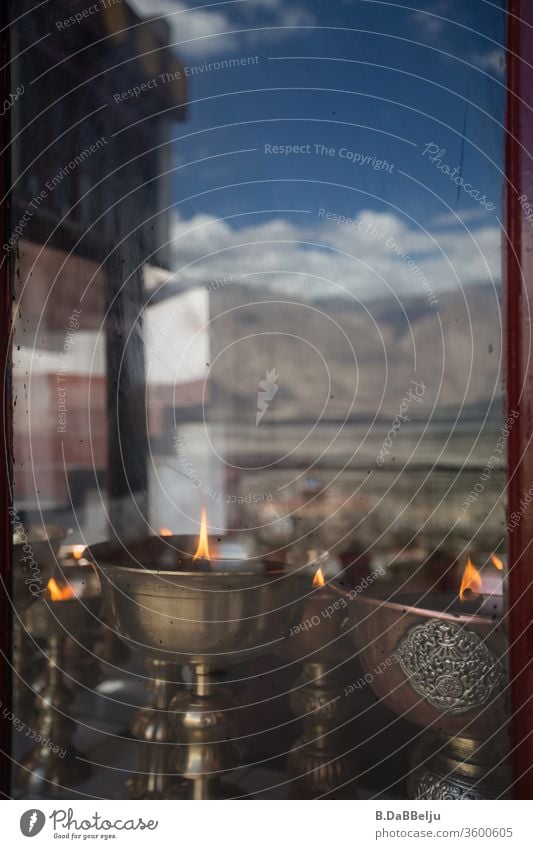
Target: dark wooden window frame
[518,289]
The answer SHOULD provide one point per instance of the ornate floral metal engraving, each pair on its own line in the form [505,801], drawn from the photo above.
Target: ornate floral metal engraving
[428,785]
[449,666]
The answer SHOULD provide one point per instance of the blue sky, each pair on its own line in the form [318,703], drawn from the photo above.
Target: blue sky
[412,77]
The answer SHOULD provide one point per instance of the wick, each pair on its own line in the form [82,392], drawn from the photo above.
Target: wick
[201,564]
[470,595]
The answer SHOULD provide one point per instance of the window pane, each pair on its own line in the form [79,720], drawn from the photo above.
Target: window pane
[256,256]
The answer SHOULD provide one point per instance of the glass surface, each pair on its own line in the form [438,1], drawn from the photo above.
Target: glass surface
[257,264]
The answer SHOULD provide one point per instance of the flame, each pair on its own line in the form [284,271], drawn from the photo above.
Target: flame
[319,580]
[498,562]
[164,532]
[471,580]
[58,593]
[203,546]
[77,551]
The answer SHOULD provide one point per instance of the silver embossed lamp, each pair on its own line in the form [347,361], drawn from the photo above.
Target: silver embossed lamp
[448,677]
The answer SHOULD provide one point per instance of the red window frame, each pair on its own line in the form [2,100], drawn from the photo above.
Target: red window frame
[518,287]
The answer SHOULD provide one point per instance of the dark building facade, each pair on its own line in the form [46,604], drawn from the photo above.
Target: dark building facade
[96,93]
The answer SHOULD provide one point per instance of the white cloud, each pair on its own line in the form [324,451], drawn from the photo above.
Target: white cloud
[493,61]
[202,32]
[429,19]
[355,259]
[185,24]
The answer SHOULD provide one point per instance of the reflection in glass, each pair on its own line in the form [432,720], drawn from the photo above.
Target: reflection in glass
[257,270]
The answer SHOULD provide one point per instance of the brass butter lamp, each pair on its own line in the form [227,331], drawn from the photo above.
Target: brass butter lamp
[68,608]
[209,612]
[35,557]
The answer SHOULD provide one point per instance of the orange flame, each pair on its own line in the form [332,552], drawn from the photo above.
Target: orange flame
[77,551]
[319,580]
[498,562]
[58,593]
[471,580]
[203,546]
[164,532]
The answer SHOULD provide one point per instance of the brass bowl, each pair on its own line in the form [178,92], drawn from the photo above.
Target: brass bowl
[438,668]
[215,618]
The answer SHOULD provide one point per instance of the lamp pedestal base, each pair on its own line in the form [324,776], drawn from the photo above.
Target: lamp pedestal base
[203,720]
[318,764]
[152,727]
[458,768]
[55,764]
